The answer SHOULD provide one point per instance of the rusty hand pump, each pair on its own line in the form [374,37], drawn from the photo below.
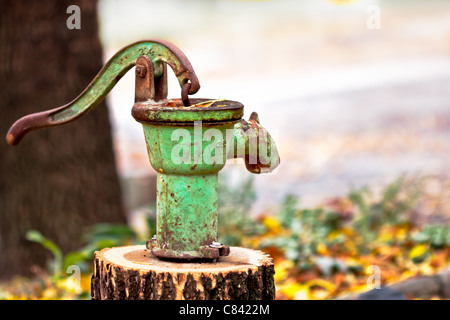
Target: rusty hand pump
[188,142]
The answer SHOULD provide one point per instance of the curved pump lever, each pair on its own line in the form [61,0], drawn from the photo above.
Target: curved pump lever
[157,50]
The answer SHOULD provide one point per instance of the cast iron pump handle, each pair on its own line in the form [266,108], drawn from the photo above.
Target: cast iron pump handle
[158,53]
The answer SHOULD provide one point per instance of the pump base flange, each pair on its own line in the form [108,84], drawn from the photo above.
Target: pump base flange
[212,251]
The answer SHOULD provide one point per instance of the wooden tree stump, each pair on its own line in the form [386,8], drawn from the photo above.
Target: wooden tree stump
[134,273]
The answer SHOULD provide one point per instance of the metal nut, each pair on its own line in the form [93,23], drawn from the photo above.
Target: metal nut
[224,251]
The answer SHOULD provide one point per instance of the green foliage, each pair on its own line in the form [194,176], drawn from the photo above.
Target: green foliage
[98,237]
[397,199]
[312,239]
[288,210]
[235,204]
[109,235]
[57,263]
[307,229]
[437,236]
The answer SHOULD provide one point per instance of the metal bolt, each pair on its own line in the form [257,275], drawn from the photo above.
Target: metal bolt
[141,71]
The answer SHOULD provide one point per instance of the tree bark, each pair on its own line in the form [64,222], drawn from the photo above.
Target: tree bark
[61,180]
[134,273]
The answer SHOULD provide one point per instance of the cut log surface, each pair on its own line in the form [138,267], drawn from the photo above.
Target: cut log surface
[134,273]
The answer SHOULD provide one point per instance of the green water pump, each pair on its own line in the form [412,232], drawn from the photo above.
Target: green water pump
[188,143]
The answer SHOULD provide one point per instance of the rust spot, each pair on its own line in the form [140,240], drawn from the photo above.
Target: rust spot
[10,138]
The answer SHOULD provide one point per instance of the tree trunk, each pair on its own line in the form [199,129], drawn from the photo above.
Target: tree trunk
[134,273]
[60,180]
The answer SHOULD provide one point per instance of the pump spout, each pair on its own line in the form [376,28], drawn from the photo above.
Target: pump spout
[254,145]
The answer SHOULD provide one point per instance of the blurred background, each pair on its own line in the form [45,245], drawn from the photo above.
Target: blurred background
[356,94]
[348,104]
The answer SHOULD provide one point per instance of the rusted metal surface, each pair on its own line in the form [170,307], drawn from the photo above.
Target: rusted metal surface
[149,112]
[159,51]
[187,199]
[184,94]
[148,87]
[255,146]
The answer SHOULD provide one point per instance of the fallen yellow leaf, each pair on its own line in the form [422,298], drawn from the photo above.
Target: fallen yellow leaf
[417,251]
